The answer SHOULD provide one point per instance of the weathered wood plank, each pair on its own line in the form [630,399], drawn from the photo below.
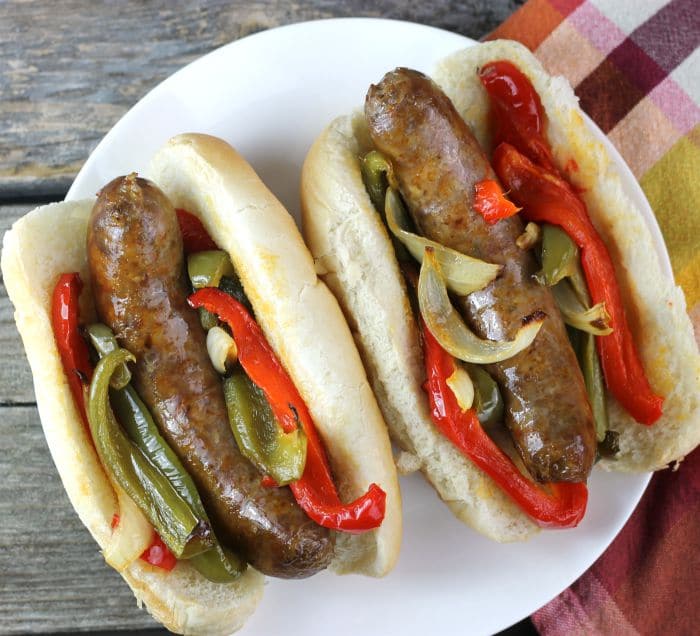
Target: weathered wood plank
[67,74]
[51,576]
[15,376]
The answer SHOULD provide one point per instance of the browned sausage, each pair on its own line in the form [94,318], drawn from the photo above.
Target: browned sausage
[138,280]
[437,162]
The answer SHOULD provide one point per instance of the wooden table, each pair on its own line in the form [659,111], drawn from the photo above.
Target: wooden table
[69,70]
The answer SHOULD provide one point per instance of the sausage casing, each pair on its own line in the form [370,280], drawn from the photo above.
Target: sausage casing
[140,289]
[437,162]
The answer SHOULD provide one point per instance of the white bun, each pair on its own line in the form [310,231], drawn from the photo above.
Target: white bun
[300,318]
[302,322]
[655,306]
[40,246]
[352,246]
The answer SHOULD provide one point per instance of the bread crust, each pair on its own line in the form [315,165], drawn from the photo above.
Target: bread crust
[352,246]
[300,318]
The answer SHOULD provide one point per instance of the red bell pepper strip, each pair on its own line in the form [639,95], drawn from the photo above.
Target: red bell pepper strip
[159,554]
[194,237]
[315,491]
[546,198]
[72,348]
[518,116]
[491,203]
[523,162]
[561,506]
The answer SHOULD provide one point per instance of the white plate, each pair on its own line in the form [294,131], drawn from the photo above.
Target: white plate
[270,95]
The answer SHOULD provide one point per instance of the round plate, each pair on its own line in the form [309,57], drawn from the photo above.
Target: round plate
[270,95]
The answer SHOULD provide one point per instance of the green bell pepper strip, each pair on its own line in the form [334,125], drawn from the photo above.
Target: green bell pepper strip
[560,260]
[377,176]
[375,169]
[103,340]
[259,436]
[136,419]
[206,269]
[232,286]
[488,401]
[584,345]
[180,529]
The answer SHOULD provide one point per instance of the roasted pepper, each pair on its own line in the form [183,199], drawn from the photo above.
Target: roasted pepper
[103,340]
[194,237]
[491,202]
[377,176]
[72,348]
[524,164]
[206,268]
[487,397]
[584,346]
[179,527]
[259,437]
[560,505]
[135,418]
[315,491]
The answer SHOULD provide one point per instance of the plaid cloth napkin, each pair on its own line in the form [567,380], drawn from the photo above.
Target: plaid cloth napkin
[635,66]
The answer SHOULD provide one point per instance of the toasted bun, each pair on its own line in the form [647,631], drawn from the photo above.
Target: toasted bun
[352,246]
[302,322]
[40,246]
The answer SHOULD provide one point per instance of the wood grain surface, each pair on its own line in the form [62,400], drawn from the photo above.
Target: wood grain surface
[68,71]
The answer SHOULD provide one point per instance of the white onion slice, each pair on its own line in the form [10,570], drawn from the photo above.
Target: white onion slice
[131,536]
[222,349]
[594,320]
[449,329]
[463,274]
[463,388]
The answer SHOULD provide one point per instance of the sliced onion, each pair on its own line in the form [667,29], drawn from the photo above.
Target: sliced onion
[463,274]
[595,320]
[222,349]
[529,238]
[449,328]
[131,536]
[463,388]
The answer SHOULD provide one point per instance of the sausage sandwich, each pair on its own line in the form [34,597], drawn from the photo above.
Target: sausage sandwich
[507,299]
[199,389]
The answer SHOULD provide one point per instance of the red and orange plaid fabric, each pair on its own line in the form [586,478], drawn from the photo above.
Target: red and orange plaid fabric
[635,66]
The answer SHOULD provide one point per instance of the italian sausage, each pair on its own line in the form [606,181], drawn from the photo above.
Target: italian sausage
[437,162]
[140,290]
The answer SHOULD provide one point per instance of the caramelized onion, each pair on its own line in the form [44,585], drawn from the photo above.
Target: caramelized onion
[449,329]
[594,320]
[463,274]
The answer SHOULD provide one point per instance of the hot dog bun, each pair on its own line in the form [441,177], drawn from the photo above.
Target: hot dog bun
[38,248]
[352,246]
[302,322]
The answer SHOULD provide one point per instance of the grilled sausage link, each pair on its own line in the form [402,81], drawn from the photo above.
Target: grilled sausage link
[138,279]
[437,162]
